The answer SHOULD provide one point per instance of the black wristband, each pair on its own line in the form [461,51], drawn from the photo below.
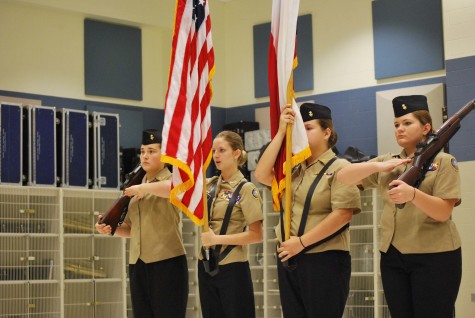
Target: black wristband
[300,239]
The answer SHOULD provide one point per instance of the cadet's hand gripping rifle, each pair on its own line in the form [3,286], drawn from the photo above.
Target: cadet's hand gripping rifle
[427,150]
[115,215]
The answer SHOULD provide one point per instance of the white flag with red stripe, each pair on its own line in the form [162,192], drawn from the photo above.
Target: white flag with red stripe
[186,135]
[282,62]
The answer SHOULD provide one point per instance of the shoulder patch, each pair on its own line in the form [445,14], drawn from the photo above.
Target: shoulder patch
[255,193]
[454,163]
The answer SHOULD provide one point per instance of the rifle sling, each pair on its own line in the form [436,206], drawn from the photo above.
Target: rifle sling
[426,167]
[306,208]
[224,227]
[123,214]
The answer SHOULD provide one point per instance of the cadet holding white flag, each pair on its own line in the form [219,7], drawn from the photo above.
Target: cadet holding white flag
[313,280]
[317,283]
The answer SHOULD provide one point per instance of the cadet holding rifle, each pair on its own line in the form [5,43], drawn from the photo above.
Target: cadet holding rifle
[158,269]
[421,258]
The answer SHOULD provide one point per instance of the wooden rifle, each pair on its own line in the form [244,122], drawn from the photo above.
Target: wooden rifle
[115,215]
[427,150]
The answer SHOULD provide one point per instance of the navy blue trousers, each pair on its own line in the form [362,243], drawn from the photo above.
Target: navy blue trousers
[159,289]
[421,285]
[318,287]
[229,294]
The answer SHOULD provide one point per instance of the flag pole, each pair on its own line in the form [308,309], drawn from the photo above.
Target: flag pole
[288,158]
[205,205]
[205,213]
[288,179]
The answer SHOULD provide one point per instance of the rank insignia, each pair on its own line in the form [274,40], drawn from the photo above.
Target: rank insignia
[329,174]
[454,163]
[227,195]
[433,167]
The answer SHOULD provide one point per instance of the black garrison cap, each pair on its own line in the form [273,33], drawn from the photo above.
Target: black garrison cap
[311,111]
[403,105]
[151,136]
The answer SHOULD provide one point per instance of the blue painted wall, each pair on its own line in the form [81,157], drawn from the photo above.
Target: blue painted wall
[460,89]
[132,119]
[354,111]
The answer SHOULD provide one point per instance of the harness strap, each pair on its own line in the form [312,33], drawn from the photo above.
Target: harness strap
[227,217]
[308,199]
[306,208]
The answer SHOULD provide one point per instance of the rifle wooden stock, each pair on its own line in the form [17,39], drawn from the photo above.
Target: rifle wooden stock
[426,151]
[117,212]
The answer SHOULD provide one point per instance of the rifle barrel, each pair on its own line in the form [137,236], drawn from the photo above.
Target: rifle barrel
[118,209]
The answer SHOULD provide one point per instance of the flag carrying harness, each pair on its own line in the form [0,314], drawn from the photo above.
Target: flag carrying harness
[211,265]
[303,222]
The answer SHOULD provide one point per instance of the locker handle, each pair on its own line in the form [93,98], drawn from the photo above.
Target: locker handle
[102,180]
[369,298]
[28,211]
[31,306]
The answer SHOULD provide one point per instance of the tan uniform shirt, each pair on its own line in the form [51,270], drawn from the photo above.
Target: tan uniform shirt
[410,230]
[155,227]
[247,210]
[329,195]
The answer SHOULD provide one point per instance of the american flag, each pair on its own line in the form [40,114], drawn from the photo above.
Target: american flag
[282,61]
[186,135]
